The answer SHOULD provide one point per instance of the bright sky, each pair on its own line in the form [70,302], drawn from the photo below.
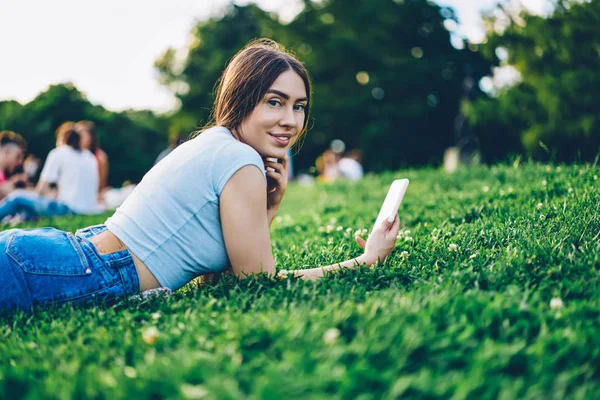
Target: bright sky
[108,48]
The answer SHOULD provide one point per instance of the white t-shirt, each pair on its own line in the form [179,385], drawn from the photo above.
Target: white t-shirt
[76,175]
[350,168]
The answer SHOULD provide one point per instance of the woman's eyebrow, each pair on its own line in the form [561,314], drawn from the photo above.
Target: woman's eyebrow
[285,96]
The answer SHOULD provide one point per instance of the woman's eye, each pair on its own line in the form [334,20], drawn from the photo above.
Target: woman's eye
[274,102]
[299,107]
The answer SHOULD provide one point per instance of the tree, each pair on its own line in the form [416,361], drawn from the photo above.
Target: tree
[554,107]
[387,79]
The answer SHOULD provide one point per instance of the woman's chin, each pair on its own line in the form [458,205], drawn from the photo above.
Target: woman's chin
[274,152]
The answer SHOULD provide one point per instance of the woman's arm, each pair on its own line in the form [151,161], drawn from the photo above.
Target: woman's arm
[245,227]
[245,224]
[380,244]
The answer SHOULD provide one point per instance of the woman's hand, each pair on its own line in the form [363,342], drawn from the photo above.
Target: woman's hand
[277,180]
[381,242]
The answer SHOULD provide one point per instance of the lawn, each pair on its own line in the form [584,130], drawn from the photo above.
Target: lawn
[493,292]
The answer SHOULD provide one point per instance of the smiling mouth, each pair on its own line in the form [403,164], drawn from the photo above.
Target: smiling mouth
[281,139]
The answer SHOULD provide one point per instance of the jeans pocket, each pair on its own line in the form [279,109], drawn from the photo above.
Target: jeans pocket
[48,251]
[56,269]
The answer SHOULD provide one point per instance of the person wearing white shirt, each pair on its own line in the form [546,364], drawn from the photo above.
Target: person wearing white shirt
[350,167]
[75,173]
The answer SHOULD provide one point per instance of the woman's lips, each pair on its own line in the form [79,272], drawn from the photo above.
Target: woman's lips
[281,140]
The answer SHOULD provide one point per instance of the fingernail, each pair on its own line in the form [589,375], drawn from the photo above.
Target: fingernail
[270,169]
[271,159]
[391,218]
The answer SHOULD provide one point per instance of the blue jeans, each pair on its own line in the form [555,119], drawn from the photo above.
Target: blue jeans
[32,204]
[47,266]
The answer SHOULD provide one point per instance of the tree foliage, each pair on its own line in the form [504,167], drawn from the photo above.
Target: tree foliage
[554,108]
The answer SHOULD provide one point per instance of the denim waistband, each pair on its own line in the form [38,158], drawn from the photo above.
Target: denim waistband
[119,260]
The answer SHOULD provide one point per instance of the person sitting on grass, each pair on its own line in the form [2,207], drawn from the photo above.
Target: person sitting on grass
[74,172]
[206,207]
[12,151]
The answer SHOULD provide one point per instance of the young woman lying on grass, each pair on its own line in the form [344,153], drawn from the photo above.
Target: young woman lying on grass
[205,207]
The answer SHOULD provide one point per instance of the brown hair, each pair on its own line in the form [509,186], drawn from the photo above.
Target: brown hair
[246,79]
[66,134]
[10,137]
[63,131]
[91,128]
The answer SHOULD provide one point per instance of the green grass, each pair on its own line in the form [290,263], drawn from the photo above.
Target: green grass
[474,322]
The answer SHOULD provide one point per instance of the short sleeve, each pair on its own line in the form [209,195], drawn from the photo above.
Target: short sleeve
[51,171]
[229,159]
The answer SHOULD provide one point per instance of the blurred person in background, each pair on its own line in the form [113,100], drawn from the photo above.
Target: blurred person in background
[12,152]
[89,141]
[175,139]
[327,166]
[31,167]
[350,166]
[72,170]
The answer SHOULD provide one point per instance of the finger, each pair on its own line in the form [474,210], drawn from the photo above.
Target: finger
[274,174]
[361,242]
[387,224]
[275,165]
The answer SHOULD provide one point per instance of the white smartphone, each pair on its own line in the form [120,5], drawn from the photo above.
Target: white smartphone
[392,201]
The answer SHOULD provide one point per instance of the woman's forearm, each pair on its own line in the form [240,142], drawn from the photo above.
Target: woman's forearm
[319,272]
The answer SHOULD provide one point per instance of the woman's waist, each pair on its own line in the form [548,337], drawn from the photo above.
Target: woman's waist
[106,242]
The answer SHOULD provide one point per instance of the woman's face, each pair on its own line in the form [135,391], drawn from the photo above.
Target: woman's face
[277,120]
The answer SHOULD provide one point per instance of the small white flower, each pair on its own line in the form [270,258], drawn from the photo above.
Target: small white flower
[330,241]
[570,190]
[408,239]
[329,228]
[348,230]
[544,182]
[510,189]
[486,188]
[364,231]
[558,169]
[595,177]
[332,220]
[548,168]
[404,255]
[358,232]
[339,228]
[472,256]
[542,217]
[321,229]
[331,335]
[539,206]
[452,246]
[282,274]
[149,335]
[155,315]
[556,303]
